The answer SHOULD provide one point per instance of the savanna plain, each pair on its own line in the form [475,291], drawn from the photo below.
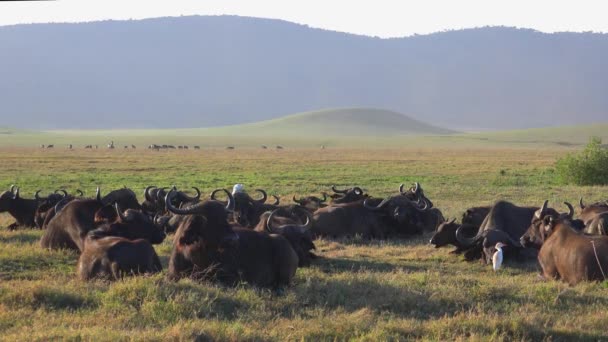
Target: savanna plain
[356,290]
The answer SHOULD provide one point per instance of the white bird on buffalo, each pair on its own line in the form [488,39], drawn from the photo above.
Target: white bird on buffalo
[238,188]
[498,256]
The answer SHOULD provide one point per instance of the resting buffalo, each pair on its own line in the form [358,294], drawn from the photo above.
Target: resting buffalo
[112,257]
[297,234]
[311,203]
[504,223]
[247,211]
[407,216]
[475,216]
[567,254]
[416,193]
[73,222]
[588,212]
[154,199]
[597,225]
[347,196]
[47,204]
[207,246]
[22,210]
[446,235]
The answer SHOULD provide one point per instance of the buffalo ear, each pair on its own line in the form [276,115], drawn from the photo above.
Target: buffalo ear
[106,214]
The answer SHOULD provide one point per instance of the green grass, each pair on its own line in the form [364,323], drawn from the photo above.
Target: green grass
[357,290]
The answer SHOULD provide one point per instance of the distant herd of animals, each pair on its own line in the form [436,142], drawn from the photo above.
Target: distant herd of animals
[232,237]
[155,147]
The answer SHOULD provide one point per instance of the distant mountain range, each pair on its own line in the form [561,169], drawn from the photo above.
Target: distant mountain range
[203,71]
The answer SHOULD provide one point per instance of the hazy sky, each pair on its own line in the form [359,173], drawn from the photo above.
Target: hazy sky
[382,18]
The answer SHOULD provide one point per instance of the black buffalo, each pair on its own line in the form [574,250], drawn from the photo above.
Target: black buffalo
[21,209]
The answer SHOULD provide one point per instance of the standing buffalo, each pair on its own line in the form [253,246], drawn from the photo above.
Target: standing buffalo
[207,246]
[22,210]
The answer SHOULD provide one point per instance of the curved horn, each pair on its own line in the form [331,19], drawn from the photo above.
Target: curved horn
[159,193]
[80,193]
[171,208]
[13,186]
[230,204]
[416,187]
[452,221]
[269,221]
[119,212]
[570,210]
[65,193]
[264,196]
[358,190]
[60,205]
[276,200]
[98,194]
[308,224]
[580,203]
[466,241]
[324,197]
[401,189]
[192,199]
[296,200]
[379,206]
[147,195]
[333,188]
[36,196]
[542,210]
[16,194]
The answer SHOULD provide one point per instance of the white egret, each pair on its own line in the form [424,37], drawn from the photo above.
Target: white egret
[498,256]
[238,188]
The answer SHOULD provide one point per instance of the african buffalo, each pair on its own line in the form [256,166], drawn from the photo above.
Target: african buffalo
[509,220]
[408,217]
[47,204]
[446,235]
[112,257]
[475,216]
[597,225]
[207,246]
[22,210]
[567,254]
[588,212]
[311,203]
[298,235]
[347,196]
[77,218]
[247,210]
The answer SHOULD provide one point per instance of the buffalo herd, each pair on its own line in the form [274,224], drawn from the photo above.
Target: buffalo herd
[234,237]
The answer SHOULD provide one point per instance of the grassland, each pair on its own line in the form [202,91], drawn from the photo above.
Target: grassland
[362,290]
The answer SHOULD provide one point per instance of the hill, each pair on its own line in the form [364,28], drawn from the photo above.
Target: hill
[334,122]
[226,70]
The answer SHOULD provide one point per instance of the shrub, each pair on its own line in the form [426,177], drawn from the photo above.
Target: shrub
[587,167]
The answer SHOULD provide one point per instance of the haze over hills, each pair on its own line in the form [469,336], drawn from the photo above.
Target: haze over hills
[216,71]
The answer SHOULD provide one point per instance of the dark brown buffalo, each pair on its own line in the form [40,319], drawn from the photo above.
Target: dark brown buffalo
[311,203]
[154,199]
[206,246]
[597,225]
[569,255]
[349,219]
[77,218]
[112,257]
[347,196]
[22,210]
[298,235]
[446,235]
[406,216]
[588,212]
[125,198]
[475,216]
[247,211]
[47,204]
[416,194]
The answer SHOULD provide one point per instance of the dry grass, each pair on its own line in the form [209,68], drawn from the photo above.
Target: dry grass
[363,290]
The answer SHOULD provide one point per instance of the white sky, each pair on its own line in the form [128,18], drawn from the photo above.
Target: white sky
[384,18]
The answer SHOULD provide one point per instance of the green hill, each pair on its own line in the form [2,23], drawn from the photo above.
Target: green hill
[335,122]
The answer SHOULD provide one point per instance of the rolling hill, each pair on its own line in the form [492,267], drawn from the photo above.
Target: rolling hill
[204,71]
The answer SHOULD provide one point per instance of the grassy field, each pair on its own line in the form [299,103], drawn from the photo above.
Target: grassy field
[361,290]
